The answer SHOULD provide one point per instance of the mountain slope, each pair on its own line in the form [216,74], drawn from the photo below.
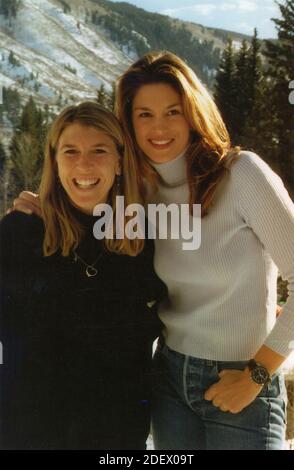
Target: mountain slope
[61,51]
[56,54]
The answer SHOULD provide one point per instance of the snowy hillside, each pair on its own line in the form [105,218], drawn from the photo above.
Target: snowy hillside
[56,53]
[61,57]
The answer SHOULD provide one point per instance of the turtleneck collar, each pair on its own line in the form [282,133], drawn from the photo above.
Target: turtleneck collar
[174,172]
[89,245]
[86,220]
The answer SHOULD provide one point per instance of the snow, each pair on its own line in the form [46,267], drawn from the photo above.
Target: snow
[67,23]
[210,72]
[236,45]
[4,80]
[45,41]
[140,36]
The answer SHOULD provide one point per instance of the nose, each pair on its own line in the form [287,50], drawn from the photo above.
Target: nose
[84,161]
[160,125]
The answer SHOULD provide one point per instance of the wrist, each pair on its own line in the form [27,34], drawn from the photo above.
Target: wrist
[258,373]
[247,377]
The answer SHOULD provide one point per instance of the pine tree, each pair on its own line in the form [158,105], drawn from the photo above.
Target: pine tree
[261,125]
[27,146]
[3,157]
[3,180]
[11,104]
[9,8]
[240,86]
[248,84]
[225,86]
[112,97]
[12,60]
[102,96]
[25,161]
[29,117]
[280,55]
[255,68]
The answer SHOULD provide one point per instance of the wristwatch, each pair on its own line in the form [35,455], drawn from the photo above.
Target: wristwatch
[259,374]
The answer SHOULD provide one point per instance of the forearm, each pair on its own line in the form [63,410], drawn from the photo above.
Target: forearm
[269,359]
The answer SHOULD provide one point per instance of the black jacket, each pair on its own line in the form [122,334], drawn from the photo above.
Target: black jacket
[76,350]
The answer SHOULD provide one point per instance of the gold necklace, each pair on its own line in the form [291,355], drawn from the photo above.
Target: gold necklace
[90,269]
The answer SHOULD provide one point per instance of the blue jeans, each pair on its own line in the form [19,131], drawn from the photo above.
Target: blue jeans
[183,419]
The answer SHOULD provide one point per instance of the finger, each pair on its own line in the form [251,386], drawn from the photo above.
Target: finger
[224,409]
[26,206]
[21,208]
[28,195]
[216,403]
[210,393]
[27,199]
[30,200]
[17,203]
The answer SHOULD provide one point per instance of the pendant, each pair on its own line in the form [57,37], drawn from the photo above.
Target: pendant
[90,271]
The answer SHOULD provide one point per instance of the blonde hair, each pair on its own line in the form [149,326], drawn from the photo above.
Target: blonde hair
[210,150]
[62,229]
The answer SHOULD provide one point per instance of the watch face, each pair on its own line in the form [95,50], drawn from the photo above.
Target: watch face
[260,375]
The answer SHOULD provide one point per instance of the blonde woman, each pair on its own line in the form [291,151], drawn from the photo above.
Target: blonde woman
[76,329]
[218,382]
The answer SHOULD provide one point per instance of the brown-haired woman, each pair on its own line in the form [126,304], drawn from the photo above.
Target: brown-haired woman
[76,329]
[219,385]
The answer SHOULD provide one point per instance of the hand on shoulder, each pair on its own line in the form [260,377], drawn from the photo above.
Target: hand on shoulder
[26,202]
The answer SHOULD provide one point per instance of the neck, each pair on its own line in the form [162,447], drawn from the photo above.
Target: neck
[174,172]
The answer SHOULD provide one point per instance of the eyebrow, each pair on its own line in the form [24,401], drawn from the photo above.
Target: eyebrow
[71,146]
[139,108]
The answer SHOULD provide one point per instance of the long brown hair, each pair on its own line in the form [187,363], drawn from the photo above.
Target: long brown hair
[62,230]
[210,150]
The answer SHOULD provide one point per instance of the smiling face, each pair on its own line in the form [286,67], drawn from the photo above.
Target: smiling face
[161,129]
[87,162]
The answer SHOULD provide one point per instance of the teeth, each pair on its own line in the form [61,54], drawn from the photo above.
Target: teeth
[86,183]
[161,142]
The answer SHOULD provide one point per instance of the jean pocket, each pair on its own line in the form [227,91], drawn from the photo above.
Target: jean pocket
[275,389]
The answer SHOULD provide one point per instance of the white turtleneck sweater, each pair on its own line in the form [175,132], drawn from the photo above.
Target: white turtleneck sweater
[222,296]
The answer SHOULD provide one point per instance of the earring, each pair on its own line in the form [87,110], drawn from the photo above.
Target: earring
[118,181]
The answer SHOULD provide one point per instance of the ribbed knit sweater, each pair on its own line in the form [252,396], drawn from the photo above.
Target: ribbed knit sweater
[222,296]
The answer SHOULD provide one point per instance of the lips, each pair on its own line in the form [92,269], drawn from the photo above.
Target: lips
[160,144]
[86,183]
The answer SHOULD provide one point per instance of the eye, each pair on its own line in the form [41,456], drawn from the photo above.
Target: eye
[99,151]
[144,114]
[70,152]
[173,112]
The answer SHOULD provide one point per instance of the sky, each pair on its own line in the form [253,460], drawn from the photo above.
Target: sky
[235,15]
